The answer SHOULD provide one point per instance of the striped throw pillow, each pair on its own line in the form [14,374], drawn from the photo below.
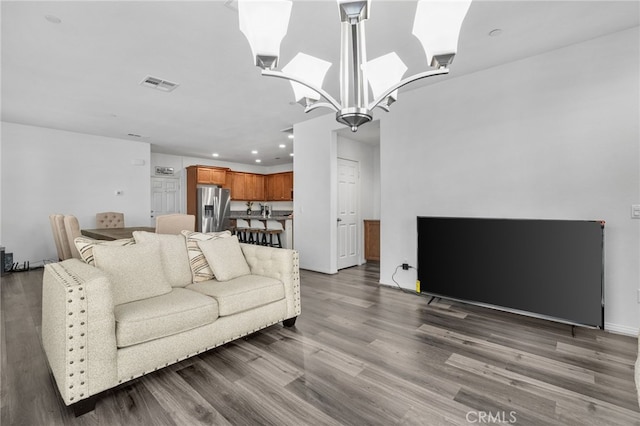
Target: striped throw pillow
[85,246]
[200,269]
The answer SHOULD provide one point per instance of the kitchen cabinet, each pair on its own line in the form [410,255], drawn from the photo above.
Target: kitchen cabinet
[372,240]
[207,175]
[280,186]
[235,183]
[254,187]
[246,186]
[202,175]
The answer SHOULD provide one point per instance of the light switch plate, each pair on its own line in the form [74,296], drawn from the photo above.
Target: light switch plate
[635,211]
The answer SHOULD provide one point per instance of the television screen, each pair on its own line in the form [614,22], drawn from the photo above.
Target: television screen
[551,268]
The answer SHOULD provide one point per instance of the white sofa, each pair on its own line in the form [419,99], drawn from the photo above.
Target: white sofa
[135,306]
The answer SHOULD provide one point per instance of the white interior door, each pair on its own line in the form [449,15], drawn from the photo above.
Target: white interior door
[348,213]
[165,197]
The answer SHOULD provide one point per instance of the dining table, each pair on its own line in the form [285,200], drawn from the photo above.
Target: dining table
[114,233]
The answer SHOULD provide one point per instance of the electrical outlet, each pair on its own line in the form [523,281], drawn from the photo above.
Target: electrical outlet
[635,211]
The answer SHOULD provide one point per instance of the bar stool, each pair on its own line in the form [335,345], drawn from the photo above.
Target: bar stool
[242,227]
[273,228]
[256,227]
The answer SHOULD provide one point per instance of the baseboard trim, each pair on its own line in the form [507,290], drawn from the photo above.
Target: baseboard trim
[621,329]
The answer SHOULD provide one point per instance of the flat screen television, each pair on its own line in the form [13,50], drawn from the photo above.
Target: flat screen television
[548,268]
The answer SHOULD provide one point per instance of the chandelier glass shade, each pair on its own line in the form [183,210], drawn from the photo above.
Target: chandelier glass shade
[437,25]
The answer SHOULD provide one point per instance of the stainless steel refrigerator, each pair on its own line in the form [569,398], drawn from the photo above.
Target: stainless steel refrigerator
[213,209]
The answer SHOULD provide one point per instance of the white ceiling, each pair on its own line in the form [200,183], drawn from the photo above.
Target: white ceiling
[82,74]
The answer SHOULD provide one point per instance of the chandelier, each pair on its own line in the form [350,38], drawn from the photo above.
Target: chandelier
[437,25]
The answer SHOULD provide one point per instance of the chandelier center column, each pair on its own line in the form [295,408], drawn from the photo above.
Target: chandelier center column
[354,93]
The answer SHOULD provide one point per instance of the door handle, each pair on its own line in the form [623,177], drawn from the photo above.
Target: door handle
[339,220]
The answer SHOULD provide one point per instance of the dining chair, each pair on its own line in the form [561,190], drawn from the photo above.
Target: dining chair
[72,229]
[174,223]
[110,220]
[56,236]
[65,249]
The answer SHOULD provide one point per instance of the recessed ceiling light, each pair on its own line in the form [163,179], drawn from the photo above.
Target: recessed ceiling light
[53,19]
[290,135]
[282,145]
[215,154]
[258,160]
[495,33]
[291,155]
[254,152]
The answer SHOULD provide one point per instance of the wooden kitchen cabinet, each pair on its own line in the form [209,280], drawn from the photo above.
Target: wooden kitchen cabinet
[280,186]
[202,175]
[246,186]
[254,186]
[207,175]
[235,183]
[372,240]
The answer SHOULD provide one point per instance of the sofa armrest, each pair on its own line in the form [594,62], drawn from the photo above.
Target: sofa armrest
[78,329]
[281,264]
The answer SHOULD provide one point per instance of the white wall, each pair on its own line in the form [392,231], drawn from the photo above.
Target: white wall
[366,156]
[545,137]
[552,136]
[48,171]
[314,198]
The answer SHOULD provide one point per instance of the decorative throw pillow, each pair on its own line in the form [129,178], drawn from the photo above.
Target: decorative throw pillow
[225,258]
[85,246]
[135,271]
[200,269]
[173,251]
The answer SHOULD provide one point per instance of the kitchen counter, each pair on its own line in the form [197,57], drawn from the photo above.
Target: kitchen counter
[275,215]
[259,217]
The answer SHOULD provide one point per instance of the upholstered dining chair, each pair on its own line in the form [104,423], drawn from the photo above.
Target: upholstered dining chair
[56,235]
[174,223]
[72,228]
[65,250]
[110,220]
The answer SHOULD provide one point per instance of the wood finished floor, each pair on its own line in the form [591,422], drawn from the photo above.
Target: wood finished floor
[360,354]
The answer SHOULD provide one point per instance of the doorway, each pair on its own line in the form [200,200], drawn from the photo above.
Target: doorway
[165,197]
[357,160]
[348,213]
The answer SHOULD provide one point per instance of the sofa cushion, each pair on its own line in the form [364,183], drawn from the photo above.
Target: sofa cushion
[135,271]
[242,293]
[200,270]
[225,258]
[85,246]
[161,316]
[173,251]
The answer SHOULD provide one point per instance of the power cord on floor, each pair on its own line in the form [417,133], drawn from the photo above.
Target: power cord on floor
[406,267]
[393,278]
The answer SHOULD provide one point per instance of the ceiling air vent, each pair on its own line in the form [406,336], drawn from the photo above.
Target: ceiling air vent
[158,83]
